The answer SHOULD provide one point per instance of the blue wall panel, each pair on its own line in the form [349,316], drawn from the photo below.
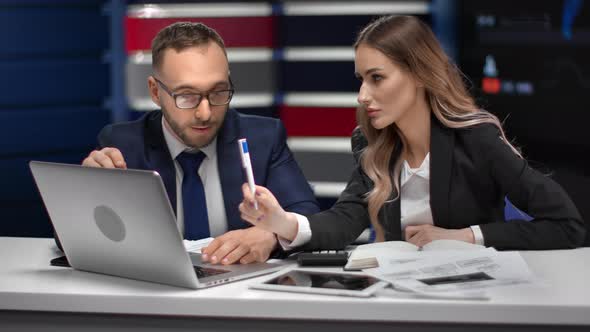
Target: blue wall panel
[55,81]
[25,218]
[49,135]
[52,30]
[36,83]
[30,132]
[18,184]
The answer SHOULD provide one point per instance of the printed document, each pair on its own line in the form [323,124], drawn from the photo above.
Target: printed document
[456,273]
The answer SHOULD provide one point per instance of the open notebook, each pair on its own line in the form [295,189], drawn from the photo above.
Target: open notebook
[366,256]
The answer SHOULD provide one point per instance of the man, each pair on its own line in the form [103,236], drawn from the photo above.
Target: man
[192,86]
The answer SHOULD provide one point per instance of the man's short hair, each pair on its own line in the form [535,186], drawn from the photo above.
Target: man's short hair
[182,35]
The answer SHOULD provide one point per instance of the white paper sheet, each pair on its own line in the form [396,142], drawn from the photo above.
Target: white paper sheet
[456,273]
[196,245]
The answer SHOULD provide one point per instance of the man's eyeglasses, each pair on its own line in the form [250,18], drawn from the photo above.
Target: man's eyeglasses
[192,100]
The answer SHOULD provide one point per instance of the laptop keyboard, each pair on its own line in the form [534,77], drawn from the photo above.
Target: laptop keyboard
[203,272]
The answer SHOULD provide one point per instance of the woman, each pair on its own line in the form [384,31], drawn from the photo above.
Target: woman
[435,166]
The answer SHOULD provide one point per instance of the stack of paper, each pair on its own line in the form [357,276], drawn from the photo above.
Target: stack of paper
[458,273]
[368,255]
[360,263]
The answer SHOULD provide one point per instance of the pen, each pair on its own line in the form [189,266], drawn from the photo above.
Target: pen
[244,152]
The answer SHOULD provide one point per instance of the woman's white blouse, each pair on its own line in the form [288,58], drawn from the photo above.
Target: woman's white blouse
[415,198]
[415,194]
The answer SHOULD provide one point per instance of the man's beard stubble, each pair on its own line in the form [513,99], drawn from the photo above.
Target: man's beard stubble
[182,135]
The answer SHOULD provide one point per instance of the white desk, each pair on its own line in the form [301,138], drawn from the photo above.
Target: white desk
[35,295]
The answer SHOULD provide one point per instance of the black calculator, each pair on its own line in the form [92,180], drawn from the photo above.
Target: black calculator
[323,258]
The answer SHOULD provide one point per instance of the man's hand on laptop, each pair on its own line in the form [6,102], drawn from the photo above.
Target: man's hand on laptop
[244,245]
[106,158]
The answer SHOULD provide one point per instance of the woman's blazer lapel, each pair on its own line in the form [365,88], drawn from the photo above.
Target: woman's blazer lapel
[442,142]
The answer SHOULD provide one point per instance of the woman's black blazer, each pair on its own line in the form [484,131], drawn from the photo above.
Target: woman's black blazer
[472,170]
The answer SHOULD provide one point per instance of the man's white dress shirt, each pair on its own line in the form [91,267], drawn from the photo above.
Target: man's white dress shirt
[209,173]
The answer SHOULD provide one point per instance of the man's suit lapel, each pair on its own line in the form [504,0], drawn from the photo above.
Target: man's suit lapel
[229,165]
[158,156]
[442,143]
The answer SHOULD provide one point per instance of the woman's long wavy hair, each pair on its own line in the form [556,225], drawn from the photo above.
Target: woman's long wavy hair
[411,44]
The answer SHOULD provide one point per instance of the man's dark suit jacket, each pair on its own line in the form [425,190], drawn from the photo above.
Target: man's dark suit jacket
[471,172]
[143,146]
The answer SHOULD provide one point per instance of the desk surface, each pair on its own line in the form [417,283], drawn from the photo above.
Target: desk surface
[29,283]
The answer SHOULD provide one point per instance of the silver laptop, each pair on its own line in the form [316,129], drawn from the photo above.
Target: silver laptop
[120,222]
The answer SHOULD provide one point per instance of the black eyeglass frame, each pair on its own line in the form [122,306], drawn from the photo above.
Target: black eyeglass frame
[201,95]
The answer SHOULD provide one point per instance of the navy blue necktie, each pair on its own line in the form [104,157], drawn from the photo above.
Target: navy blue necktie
[194,204]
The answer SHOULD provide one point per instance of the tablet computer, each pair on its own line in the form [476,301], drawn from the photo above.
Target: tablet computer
[319,282]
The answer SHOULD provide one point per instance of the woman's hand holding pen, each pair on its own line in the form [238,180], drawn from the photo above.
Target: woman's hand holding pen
[269,215]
